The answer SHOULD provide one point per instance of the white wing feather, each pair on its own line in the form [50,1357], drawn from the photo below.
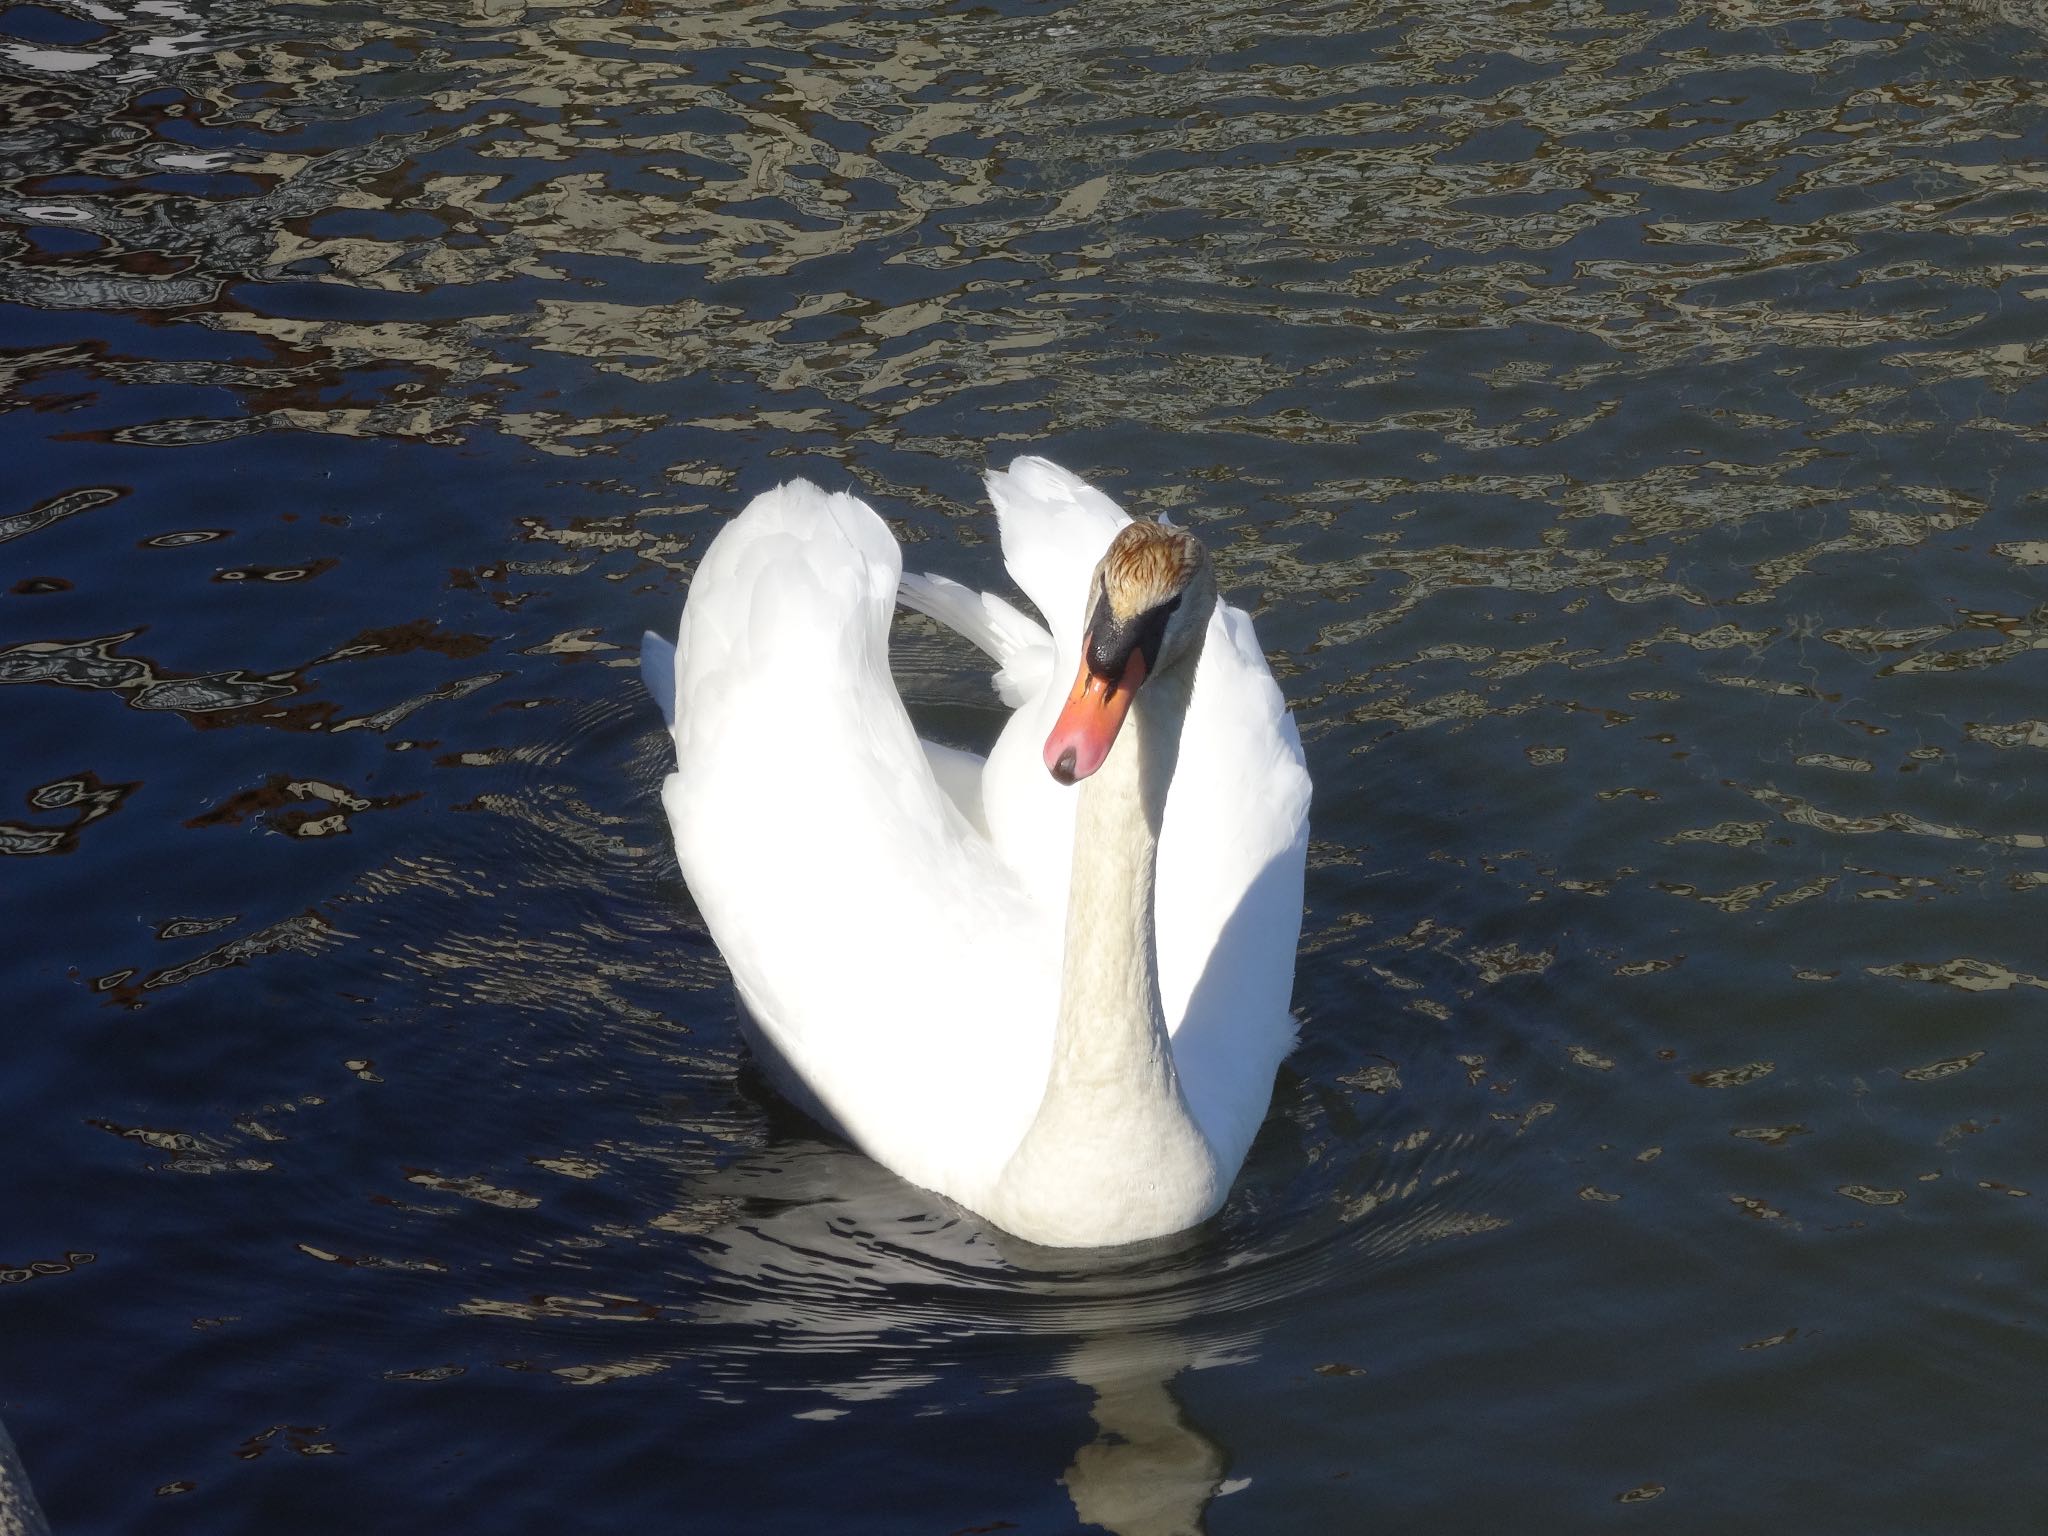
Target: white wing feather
[1019,646]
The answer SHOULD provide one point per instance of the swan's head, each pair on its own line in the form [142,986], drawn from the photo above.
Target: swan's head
[1148,608]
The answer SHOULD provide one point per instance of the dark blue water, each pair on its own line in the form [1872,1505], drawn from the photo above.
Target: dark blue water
[1626,424]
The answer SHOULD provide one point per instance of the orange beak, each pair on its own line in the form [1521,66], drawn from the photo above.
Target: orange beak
[1087,726]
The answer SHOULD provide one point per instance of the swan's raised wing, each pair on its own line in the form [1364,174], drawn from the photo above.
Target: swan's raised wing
[1233,851]
[884,954]
[1055,526]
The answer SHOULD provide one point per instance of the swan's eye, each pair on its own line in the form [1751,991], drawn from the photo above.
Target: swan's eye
[1111,643]
[1151,629]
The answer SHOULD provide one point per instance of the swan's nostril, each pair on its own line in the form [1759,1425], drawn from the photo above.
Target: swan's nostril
[1063,770]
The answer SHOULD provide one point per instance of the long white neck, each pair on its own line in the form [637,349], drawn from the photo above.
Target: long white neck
[1113,1154]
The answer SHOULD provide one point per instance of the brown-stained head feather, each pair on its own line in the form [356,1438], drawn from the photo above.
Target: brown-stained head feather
[1147,564]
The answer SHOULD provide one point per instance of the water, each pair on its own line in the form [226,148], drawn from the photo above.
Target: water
[1625,422]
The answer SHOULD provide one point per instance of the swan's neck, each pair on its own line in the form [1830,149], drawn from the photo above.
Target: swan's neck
[1112,1026]
[1113,1154]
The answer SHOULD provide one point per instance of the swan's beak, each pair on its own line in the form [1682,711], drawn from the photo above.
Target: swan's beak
[1087,727]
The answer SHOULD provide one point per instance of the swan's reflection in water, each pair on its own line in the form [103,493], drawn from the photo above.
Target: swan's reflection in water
[828,1275]
[1149,1471]
[820,1255]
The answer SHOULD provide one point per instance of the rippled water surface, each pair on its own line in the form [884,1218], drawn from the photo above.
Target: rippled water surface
[1624,420]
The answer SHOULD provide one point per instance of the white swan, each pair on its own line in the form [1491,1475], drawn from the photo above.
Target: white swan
[951,962]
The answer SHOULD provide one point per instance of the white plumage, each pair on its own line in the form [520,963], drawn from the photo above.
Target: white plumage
[894,912]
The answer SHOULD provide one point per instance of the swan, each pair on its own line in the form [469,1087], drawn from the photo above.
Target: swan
[1053,984]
